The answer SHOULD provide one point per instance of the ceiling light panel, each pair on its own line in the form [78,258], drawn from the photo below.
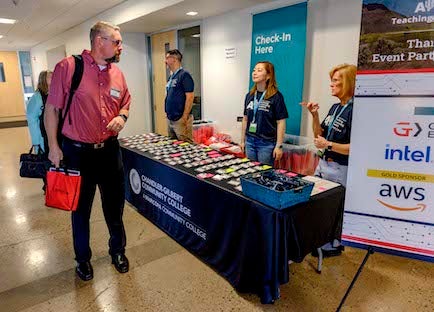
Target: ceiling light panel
[7,21]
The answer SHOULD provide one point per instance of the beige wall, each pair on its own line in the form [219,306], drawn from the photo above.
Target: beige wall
[54,56]
[11,91]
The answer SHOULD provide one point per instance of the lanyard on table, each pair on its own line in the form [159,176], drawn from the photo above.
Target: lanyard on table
[256,104]
[169,83]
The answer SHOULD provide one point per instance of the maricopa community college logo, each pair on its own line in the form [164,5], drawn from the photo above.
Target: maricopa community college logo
[135,182]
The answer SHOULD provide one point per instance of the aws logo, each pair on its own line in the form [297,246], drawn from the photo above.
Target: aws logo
[424,6]
[391,191]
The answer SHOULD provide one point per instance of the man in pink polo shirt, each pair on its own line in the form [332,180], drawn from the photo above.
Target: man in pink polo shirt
[98,111]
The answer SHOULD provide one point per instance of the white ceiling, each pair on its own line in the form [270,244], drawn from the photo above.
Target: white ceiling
[175,14]
[40,20]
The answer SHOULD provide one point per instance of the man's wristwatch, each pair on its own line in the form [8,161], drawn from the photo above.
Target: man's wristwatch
[329,147]
[279,146]
[124,117]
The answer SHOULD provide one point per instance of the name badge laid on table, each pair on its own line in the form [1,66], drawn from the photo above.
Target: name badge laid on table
[253,126]
[115,93]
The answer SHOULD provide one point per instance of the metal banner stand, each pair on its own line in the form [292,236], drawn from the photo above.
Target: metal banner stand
[368,253]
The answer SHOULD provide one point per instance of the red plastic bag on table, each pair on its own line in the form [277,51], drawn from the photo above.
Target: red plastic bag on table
[63,189]
[233,150]
[202,132]
[219,137]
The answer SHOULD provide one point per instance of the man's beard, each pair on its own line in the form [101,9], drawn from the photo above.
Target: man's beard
[114,59]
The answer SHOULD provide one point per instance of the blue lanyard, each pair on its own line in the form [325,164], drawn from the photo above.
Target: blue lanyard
[256,103]
[169,83]
[330,127]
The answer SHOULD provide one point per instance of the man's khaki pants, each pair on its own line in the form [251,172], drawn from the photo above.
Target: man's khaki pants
[180,131]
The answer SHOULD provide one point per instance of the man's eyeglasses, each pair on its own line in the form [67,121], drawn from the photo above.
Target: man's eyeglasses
[116,42]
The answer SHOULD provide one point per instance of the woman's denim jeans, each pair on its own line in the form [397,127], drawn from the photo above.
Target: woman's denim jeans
[260,150]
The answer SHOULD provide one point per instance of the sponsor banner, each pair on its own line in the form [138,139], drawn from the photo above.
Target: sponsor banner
[390,190]
[404,176]
[392,159]
[396,53]
[394,84]
[390,235]
[279,36]
[397,35]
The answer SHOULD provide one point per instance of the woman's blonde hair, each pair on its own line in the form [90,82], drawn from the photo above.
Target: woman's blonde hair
[348,73]
[271,84]
[42,81]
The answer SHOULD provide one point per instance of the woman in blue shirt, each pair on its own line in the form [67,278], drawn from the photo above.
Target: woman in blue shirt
[34,110]
[265,112]
[332,136]
[35,118]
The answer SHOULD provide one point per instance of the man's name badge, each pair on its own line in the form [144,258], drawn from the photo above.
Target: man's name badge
[115,93]
[253,126]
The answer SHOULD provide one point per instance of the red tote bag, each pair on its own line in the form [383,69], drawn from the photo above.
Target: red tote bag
[63,189]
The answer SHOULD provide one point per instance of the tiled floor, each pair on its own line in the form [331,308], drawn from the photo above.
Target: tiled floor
[37,266]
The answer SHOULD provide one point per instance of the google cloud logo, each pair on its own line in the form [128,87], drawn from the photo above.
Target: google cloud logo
[135,181]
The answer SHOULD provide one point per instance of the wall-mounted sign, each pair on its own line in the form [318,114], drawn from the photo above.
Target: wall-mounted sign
[279,36]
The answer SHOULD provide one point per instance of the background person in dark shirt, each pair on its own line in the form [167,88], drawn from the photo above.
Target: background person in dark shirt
[179,99]
[332,136]
[265,112]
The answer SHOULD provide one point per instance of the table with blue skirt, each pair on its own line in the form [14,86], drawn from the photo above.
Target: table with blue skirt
[245,241]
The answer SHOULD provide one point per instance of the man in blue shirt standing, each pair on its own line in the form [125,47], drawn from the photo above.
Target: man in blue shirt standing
[179,99]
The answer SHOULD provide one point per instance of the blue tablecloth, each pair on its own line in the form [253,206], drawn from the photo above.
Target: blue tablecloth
[245,241]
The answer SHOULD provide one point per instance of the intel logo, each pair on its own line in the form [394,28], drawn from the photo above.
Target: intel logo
[407,154]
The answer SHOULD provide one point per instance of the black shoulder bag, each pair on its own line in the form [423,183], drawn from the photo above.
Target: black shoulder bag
[76,79]
[36,165]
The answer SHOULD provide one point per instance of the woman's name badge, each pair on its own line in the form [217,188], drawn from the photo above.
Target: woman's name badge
[253,126]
